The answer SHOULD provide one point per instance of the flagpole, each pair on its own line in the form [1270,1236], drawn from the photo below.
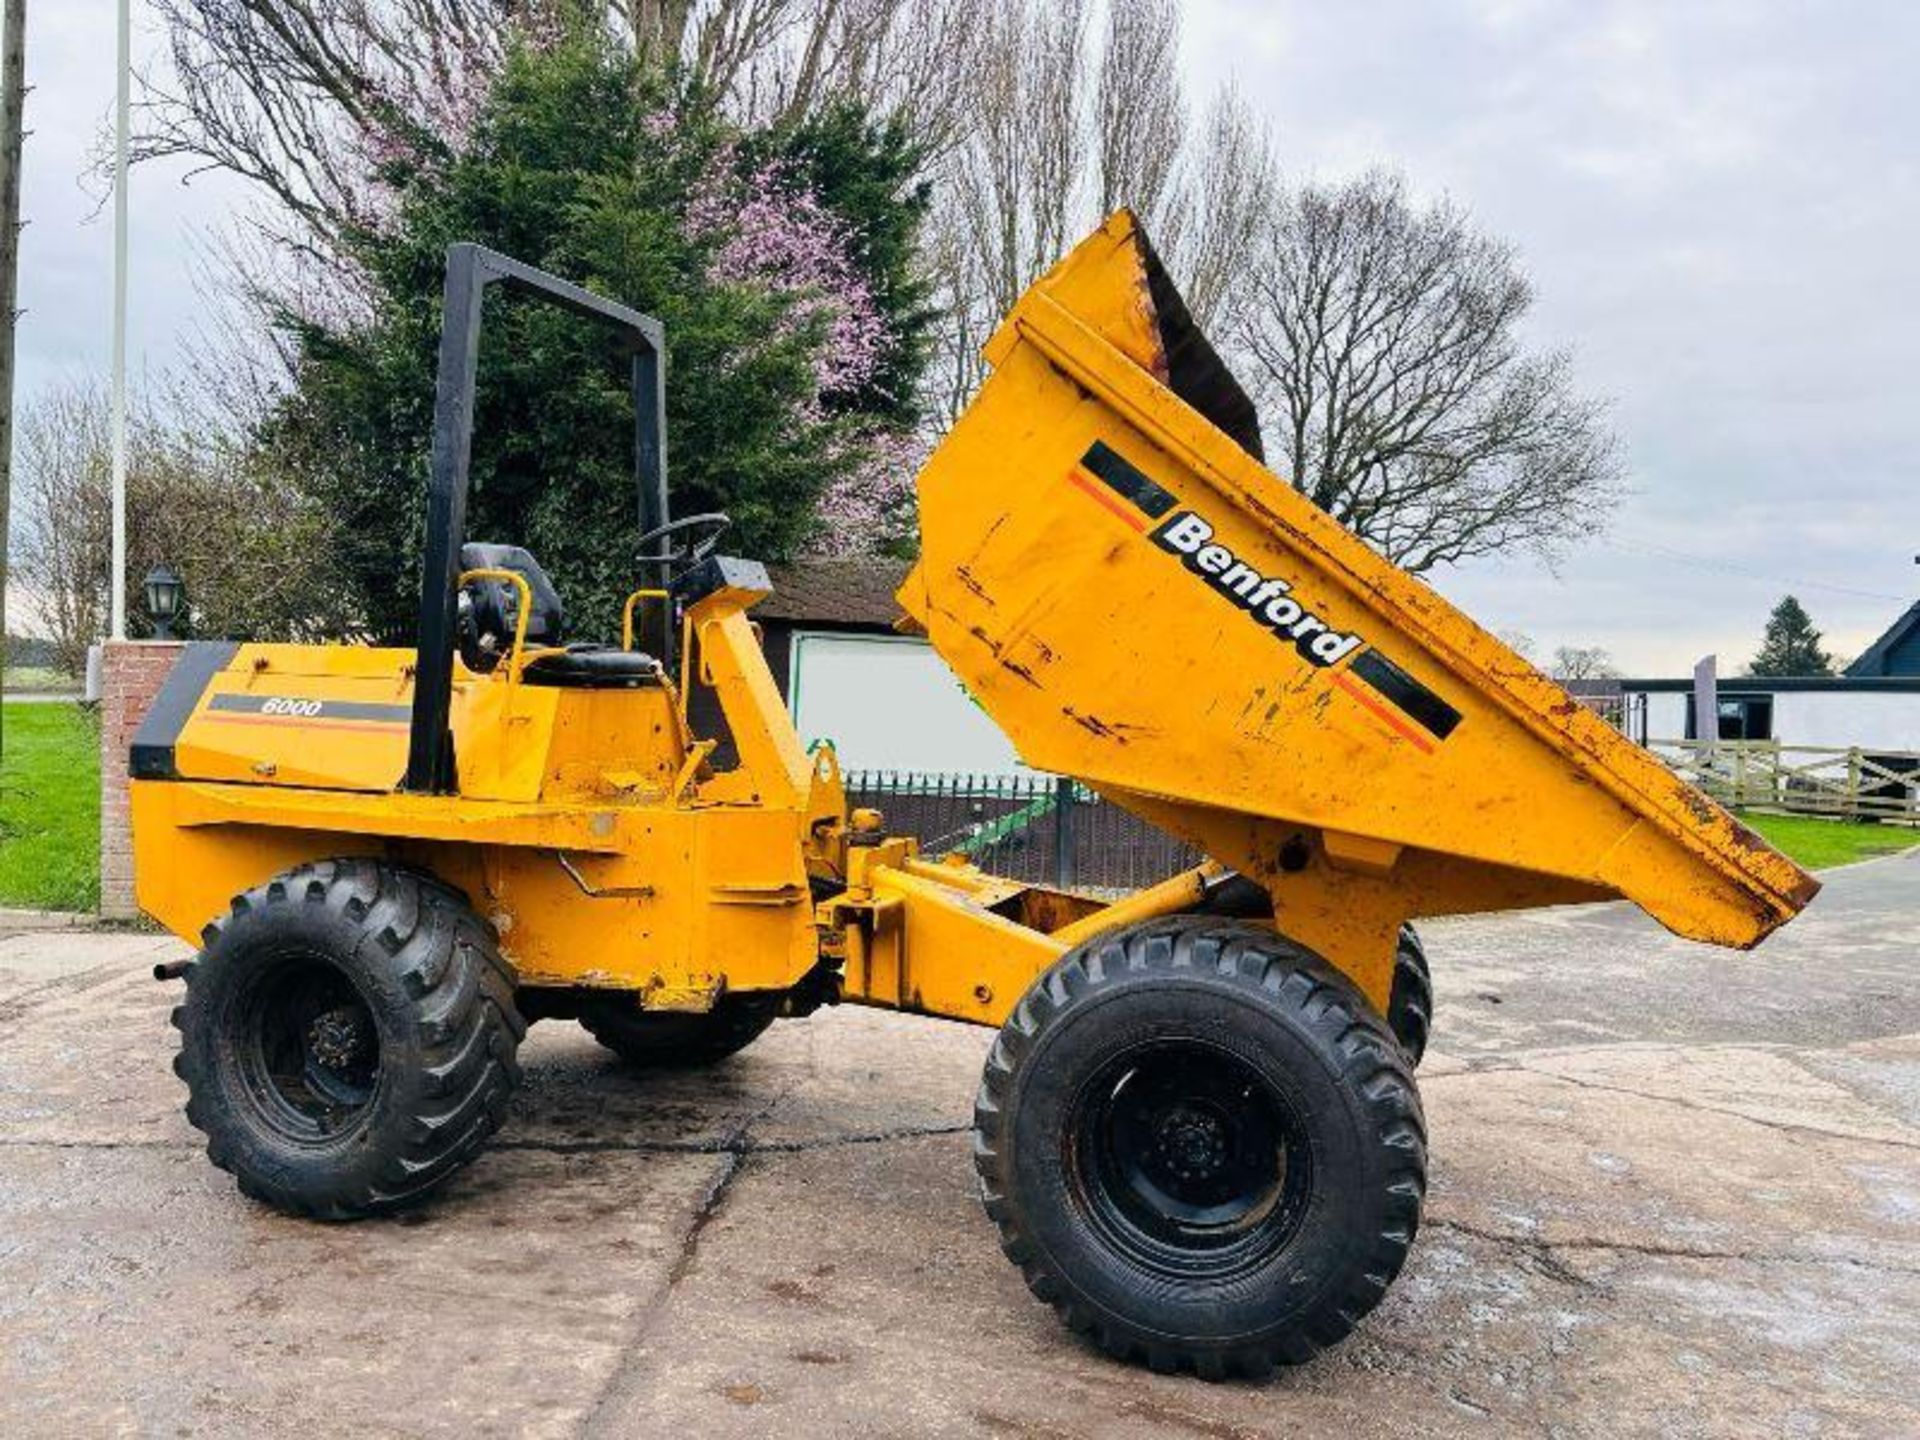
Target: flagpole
[118,601]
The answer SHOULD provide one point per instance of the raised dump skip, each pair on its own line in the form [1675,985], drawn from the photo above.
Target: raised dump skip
[1139,602]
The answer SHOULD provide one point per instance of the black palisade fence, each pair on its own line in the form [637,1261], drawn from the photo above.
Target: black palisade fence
[1044,829]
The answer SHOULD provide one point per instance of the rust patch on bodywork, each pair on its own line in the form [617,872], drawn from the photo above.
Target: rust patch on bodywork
[1093,724]
[967,578]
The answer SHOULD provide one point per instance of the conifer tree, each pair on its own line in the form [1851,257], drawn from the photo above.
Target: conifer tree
[1792,645]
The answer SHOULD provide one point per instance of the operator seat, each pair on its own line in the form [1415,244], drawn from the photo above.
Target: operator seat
[489,610]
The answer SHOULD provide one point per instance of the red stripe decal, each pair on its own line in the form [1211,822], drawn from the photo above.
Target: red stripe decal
[1106,498]
[1381,712]
[304,722]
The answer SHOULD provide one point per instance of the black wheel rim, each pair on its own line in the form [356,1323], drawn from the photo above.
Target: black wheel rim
[306,1048]
[1189,1160]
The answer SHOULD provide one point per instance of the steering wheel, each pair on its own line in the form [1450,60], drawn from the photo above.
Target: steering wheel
[698,537]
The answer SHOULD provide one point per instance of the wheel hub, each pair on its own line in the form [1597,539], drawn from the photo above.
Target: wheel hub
[1189,1158]
[1193,1144]
[339,1039]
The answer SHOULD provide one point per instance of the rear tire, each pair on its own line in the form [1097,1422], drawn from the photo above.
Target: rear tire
[1410,1008]
[676,1040]
[348,1038]
[1201,1147]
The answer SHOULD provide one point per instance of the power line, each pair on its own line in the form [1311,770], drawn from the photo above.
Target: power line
[1728,567]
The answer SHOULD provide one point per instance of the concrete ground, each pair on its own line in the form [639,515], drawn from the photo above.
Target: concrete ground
[1675,1192]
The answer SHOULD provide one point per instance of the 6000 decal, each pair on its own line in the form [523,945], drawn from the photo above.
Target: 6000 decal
[304,707]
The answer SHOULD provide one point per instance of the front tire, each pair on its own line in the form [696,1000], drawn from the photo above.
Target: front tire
[1201,1147]
[348,1038]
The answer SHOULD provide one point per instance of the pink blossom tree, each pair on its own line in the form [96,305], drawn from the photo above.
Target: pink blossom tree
[770,230]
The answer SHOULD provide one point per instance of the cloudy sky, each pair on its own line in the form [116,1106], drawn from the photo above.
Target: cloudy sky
[1719,204]
[66,258]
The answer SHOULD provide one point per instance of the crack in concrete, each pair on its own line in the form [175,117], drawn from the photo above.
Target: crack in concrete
[1472,1407]
[1536,1246]
[1538,1251]
[603,1416]
[715,1195]
[731,1144]
[1787,1127]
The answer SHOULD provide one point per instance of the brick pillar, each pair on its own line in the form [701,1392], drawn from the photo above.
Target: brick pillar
[131,672]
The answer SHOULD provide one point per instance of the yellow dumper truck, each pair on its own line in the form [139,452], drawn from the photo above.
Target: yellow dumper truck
[1198,1131]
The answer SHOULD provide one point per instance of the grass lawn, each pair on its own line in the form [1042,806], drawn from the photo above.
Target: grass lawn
[1819,844]
[50,808]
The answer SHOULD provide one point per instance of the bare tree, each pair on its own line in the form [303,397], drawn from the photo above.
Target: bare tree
[60,544]
[1381,339]
[1209,229]
[303,99]
[1520,642]
[254,553]
[1140,122]
[1076,113]
[1583,662]
[781,60]
[306,100]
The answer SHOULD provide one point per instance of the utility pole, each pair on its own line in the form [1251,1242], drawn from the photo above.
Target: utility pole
[117,601]
[13,104]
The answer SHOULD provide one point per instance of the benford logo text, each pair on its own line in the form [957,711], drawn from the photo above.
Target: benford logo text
[1266,598]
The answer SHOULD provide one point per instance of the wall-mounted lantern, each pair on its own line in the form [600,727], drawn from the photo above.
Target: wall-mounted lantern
[165,591]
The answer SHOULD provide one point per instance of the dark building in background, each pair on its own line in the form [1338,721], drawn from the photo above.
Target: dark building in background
[1895,653]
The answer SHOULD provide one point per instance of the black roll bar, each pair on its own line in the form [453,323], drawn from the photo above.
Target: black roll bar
[470,270]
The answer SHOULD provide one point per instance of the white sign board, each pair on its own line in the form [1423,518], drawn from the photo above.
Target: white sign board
[890,703]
